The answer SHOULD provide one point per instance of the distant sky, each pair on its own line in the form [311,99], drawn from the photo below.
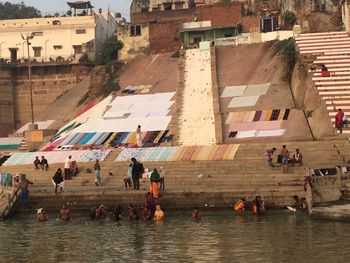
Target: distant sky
[60,6]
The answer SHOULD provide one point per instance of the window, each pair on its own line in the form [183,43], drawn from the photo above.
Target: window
[37,52]
[135,30]
[38,34]
[56,22]
[78,49]
[57,47]
[80,31]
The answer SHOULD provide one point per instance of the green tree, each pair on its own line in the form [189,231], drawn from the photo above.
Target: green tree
[289,17]
[109,50]
[17,11]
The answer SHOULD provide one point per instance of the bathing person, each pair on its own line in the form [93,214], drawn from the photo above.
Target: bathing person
[24,190]
[133,216]
[41,215]
[99,212]
[258,206]
[299,203]
[149,208]
[117,213]
[57,180]
[64,213]
[240,205]
[154,178]
[159,214]
[196,214]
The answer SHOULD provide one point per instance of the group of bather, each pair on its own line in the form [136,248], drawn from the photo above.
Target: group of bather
[284,157]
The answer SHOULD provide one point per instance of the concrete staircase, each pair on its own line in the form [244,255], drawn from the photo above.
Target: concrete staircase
[196,120]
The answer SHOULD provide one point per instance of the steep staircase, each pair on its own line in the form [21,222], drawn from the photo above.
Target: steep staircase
[331,49]
[196,120]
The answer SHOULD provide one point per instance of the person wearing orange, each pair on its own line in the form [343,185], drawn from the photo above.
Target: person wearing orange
[154,178]
[240,205]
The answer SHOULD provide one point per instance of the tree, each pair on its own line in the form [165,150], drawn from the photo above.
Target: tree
[17,11]
[109,50]
[289,17]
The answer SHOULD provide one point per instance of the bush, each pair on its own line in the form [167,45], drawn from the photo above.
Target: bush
[109,50]
[289,17]
[286,49]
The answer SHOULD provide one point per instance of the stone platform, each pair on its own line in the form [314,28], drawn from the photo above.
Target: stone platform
[333,212]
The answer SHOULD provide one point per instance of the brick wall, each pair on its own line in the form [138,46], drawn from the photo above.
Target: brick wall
[185,15]
[250,24]
[165,36]
[221,14]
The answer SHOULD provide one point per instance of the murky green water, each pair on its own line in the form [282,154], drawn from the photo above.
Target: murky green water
[218,237]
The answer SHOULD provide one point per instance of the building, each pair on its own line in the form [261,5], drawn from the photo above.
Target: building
[55,38]
[161,5]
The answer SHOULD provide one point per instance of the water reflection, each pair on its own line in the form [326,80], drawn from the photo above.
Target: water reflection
[217,237]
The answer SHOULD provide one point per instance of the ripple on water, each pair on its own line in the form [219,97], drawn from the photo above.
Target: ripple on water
[218,237]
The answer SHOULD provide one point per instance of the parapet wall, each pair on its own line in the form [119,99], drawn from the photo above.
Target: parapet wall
[48,83]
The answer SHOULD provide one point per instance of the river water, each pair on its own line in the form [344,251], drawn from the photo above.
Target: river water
[278,236]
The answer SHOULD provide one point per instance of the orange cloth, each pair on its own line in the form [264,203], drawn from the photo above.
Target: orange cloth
[153,188]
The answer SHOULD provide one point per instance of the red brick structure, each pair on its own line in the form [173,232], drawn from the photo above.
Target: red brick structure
[250,24]
[221,14]
[184,15]
[165,36]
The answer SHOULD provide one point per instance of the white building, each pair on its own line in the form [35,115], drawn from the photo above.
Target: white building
[55,38]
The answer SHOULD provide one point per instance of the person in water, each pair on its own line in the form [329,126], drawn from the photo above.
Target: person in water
[99,212]
[195,214]
[299,203]
[64,213]
[133,213]
[258,206]
[240,205]
[117,213]
[149,208]
[41,215]
[159,214]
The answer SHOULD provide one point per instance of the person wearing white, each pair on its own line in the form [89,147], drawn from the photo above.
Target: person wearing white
[67,166]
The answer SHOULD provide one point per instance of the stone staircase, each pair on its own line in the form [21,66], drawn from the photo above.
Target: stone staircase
[332,50]
[247,175]
[196,120]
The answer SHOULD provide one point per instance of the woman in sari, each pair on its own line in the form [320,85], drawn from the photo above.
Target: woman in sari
[150,207]
[339,120]
[154,178]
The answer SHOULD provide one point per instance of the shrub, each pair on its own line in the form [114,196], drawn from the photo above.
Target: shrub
[109,50]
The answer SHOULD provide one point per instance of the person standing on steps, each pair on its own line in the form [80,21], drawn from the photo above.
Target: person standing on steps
[24,191]
[57,180]
[285,158]
[97,169]
[139,136]
[339,120]
[136,173]
[269,156]
[67,166]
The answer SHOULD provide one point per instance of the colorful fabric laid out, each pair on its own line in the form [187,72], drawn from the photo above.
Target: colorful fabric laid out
[259,115]
[57,156]
[114,120]
[10,142]
[177,153]
[6,179]
[101,140]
